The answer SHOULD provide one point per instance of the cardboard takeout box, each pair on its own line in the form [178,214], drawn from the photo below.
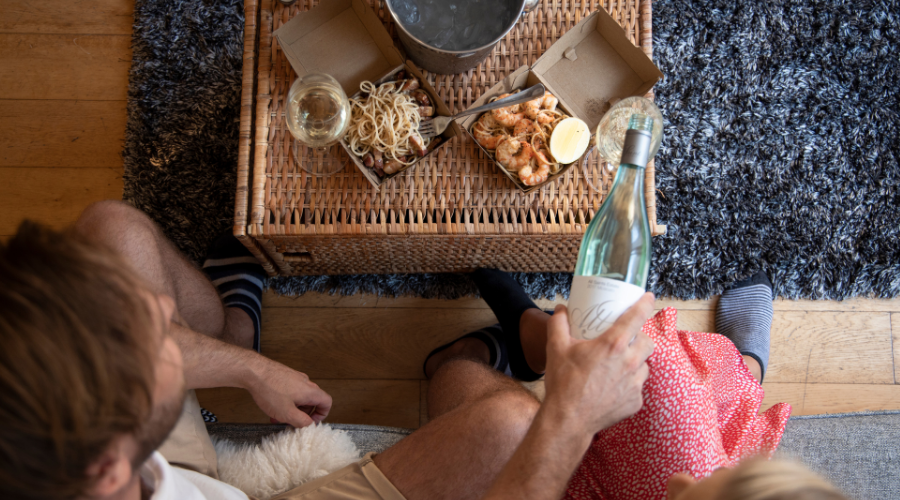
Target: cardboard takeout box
[591,64]
[346,39]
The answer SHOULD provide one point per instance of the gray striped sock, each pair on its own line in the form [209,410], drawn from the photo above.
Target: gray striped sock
[744,315]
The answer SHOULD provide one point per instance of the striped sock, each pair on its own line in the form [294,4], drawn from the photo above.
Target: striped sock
[238,277]
[744,315]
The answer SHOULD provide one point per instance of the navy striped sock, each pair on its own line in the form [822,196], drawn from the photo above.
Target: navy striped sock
[744,315]
[238,277]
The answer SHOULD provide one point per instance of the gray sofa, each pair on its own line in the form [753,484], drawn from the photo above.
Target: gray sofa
[859,452]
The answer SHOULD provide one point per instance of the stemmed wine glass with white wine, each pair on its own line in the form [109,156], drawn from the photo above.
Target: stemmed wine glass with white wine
[318,116]
[610,136]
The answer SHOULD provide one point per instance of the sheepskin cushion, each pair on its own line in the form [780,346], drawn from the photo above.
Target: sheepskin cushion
[284,460]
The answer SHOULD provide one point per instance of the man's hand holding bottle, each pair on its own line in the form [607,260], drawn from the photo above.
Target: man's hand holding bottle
[593,384]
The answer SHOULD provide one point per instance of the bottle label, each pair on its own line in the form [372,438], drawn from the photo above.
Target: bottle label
[595,303]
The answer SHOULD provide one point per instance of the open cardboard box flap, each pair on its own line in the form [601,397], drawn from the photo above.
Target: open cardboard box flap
[593,63]
[343,38]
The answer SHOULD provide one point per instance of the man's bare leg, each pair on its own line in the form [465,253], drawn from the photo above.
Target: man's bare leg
[479,418]
[533,335]
[137,238]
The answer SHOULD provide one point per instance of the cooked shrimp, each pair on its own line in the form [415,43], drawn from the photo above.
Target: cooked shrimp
[545,116]
[489,122]
[549,102]
[514,154]
[542,157]
[534,107]
[508,116]
[485,132]
[542,109]
[531,177]
[541,154]
[525,126]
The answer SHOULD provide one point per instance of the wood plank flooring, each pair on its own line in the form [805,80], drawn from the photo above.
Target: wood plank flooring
[54,133]
[826,356]
[63,84]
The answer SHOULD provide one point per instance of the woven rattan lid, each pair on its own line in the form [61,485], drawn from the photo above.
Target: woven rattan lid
[343,38]
[593,63]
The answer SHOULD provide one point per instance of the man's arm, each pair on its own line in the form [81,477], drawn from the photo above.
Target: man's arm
[591,385]
[284,394]
[542,465]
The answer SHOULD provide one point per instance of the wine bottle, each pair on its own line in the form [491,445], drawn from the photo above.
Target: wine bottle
[614,260]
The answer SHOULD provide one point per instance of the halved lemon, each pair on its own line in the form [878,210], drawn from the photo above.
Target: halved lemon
[569,140]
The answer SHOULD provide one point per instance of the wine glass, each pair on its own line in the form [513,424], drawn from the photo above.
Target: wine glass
[610,136]
[318,116]
[611,130]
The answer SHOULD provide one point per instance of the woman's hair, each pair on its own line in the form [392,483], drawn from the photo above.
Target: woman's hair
[76,362]
[761,479]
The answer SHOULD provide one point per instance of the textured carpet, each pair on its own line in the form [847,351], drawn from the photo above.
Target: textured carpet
[781,149]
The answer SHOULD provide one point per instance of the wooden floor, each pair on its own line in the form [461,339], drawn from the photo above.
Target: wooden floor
[63,83]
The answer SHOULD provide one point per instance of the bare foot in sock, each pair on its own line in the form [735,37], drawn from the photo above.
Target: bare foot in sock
[744,315]
[239,279]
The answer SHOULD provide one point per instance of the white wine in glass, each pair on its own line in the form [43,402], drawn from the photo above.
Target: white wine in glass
[318,116]
[610,136]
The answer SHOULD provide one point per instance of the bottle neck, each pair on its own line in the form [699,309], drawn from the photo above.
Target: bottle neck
[629,182]
[636,148]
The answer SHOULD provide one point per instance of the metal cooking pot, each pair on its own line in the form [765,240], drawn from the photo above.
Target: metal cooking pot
[450,62]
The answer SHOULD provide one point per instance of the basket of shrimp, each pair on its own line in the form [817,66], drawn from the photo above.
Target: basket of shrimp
[383,138]
[536,142]
[518,137]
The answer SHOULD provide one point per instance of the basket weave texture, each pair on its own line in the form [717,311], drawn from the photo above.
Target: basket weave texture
[453,212]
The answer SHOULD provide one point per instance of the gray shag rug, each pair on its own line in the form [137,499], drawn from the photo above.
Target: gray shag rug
[781,149]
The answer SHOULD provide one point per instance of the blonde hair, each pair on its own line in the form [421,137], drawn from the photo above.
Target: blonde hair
[760,479]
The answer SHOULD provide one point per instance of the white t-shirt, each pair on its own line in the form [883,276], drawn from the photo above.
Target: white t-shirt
[173,483]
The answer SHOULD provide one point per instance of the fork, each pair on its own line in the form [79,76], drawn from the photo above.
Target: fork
[437,125]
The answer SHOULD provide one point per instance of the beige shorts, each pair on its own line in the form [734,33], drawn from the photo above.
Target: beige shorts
[360,481]
[189,447]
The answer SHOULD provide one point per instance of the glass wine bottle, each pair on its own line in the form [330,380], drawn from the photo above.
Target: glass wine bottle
[614,260]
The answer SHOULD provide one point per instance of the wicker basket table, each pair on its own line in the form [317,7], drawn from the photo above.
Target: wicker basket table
[453,212]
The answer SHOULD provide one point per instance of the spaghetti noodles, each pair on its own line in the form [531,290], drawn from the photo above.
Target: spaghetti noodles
[385,122]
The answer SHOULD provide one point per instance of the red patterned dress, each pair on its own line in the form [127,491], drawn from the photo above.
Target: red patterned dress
[701,412]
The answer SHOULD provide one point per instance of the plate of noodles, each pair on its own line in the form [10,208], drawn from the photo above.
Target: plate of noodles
[383,137]
[518,138]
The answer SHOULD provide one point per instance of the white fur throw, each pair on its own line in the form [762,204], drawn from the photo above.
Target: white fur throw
[285,460]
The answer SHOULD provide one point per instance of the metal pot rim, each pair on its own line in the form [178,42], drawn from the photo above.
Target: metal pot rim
[457,52]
